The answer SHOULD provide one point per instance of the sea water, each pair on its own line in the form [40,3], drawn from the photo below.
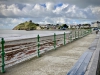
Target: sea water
[19,34]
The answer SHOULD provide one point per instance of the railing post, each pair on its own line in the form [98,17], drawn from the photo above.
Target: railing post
[2,55]
[90,30]
[64,38]
[81,33]
[84,32]
[78,33]
[70,37]
[75,34]
[54,41]
[38,40]
[87,31]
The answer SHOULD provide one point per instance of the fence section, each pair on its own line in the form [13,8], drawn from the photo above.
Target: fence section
[16,51]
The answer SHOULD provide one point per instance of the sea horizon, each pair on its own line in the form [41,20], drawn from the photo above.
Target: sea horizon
[20,34]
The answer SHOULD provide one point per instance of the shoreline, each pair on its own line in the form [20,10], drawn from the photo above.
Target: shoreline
[30,34]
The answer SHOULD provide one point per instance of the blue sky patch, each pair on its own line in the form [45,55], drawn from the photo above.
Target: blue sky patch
[58,5]
[44,5]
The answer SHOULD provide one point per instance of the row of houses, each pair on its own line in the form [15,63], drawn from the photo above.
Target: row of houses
[51,26]
[95,24]
[69,26]
[80,26]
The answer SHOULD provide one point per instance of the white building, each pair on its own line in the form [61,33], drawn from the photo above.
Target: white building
[96,24]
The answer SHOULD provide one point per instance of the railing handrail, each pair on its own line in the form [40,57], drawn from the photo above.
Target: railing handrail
[66,37]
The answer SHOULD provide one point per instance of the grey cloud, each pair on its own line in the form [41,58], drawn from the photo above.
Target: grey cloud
[40,14]
[80,3]
[10,23]
[25,11]
[21,6]
[38,11]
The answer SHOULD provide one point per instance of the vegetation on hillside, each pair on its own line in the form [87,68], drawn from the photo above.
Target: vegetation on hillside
[26,26]
[63,26]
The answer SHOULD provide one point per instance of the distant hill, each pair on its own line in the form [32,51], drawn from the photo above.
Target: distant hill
[26,26]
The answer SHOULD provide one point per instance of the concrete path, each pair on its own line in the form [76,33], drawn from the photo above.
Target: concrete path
[55,62]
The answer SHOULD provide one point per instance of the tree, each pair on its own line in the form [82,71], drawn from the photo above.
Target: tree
[57,24]
[98,22]
[30,21]
[37,24]
[65,26]
[79,25]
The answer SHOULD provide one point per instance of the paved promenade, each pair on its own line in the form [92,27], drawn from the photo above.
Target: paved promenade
[55,62]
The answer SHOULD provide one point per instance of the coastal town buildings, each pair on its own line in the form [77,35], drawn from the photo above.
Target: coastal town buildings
[96,24]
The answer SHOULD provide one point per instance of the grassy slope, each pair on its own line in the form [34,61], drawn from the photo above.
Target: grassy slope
[25,26]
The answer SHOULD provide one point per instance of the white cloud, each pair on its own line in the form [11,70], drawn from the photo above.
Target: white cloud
[58,10]
[10,22]
[96,11]
[14,14]
[49,6]
[36,10]
[80,3]
[10,11]
[37,7]
[61,20]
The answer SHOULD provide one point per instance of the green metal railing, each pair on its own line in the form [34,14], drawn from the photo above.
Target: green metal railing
[64,38]
[38,41]
[2,56]
[70,37]
[54,41]
[75,34]
[78,34]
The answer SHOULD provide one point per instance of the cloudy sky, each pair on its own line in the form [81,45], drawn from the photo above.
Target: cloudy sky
[13,12]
